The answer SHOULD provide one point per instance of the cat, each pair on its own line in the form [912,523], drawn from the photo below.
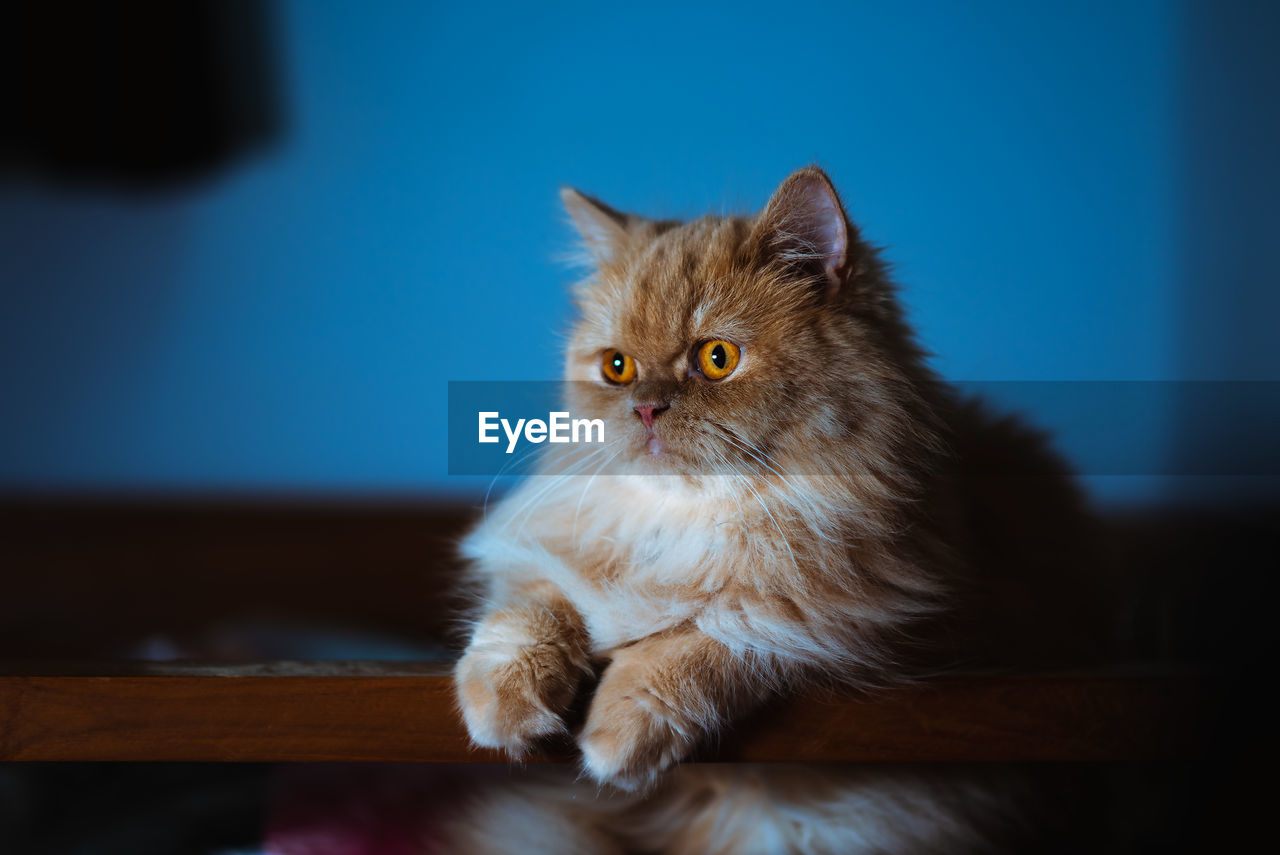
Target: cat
[788,496]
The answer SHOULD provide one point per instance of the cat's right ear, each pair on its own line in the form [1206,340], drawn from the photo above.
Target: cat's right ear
[602,229]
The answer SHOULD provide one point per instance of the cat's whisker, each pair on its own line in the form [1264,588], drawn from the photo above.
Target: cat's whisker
[585,487]
[560,479]
[557,479]
[510,464]
[765,507]
[529,503]
[761,457]
[808,511]
[755,451]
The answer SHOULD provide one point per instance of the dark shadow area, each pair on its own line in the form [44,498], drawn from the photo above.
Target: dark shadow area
[1230,285]
[131,809]
[136,94]
[1207,591]
[1229,222]
[225,579]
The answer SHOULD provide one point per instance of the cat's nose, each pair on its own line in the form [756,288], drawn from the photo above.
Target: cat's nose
[649,412]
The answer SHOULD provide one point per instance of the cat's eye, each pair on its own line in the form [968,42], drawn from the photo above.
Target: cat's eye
[717,359]
[617,367]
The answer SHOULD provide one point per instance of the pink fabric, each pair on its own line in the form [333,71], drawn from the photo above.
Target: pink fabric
[360,809]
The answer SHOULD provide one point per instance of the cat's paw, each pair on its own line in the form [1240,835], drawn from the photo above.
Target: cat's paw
[514,695]
[632,735]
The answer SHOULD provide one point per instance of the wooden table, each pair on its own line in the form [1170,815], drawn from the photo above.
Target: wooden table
[83,579]
[358,711]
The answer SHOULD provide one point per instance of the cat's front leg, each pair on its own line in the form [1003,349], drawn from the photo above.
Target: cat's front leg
[657,699]
[521,670]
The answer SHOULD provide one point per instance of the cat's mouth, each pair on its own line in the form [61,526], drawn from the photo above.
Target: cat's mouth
[656,451]
[651,444]
[663,447]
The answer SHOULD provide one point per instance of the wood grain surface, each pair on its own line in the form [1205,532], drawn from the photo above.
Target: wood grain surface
[340,712]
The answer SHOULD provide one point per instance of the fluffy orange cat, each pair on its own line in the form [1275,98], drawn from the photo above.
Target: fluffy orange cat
[787,495]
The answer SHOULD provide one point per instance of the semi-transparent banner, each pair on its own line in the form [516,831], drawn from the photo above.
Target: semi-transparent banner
[1100,427]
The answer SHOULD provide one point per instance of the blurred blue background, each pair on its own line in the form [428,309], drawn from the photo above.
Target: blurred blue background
[1082,192]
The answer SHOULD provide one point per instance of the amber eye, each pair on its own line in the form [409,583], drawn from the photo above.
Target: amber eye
[717,359]
[617,367]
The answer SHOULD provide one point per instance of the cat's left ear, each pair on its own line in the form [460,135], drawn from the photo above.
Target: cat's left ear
[603,230]
[805,223]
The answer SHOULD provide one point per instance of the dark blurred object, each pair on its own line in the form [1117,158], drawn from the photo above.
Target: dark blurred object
[135,93]
[132,809]
[88,579]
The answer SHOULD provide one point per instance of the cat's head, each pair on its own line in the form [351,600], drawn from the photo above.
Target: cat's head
[741,342]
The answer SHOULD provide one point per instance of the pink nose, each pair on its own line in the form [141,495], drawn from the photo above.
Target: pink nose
[647,412]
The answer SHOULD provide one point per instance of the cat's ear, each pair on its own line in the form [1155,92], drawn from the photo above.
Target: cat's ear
[602,229]
[804,222]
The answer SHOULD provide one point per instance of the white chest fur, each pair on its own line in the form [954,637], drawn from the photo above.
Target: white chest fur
[634,554]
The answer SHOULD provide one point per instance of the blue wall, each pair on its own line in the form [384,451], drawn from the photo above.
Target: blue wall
[291,326]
